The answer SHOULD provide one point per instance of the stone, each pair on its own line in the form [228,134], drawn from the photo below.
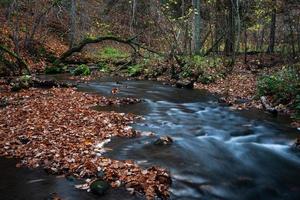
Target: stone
[185,83]
[23,139]
[99,187]
[296,145]
[164,140]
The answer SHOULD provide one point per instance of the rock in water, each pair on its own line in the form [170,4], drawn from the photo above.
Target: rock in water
[185,84]
[99,187]
[164,140]
[296,145]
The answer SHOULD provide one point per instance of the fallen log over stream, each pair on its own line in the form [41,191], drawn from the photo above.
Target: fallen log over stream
[131,42]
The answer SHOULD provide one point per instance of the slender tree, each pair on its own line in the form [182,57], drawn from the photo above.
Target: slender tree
[72,31]
[272,30]
[197,27]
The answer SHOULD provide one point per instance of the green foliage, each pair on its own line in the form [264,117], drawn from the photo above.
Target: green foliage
[103,67]
[284,85]
[110,53]
[4,3]
[297,107]
[82,70]
[135,70]
[54,70]
[205,69]
[22,83]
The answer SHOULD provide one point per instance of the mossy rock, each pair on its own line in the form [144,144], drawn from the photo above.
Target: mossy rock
[99,187]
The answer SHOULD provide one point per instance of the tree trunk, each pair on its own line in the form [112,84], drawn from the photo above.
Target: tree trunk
[72,33]
[262,39]
[245,45]
[22,64]
[230,39]
[238,24]
[272,32]
[219,16]
[197,27]
[133,15]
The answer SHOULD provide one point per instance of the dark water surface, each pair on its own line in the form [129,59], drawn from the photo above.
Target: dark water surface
[217,153]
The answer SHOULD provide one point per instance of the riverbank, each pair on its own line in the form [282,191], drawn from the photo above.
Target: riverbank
[242,88]
[57,130]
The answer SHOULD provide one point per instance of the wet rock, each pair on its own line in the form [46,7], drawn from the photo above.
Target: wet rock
[224,102]
[267,106]
[245,132]
[164,140]
[99,187]
[296,145]
[185,83]
[241,101]
[71,178]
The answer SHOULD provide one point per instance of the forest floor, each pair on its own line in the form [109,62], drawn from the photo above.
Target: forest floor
[239,89]
[56,129]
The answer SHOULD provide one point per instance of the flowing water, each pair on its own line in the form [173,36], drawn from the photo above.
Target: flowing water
[218,153]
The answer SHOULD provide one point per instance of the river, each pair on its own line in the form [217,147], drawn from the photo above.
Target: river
[218,153]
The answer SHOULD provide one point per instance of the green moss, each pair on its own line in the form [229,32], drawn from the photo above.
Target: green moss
[82,70]
[99,187]
[110,53]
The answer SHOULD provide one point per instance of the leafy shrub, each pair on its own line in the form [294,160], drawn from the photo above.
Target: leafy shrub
[4,3]
[54,70]
[205,69]
[82,70]
[135,70]
[284,85]
[297,106]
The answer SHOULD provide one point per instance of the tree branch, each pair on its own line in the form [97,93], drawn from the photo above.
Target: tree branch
[83,43]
